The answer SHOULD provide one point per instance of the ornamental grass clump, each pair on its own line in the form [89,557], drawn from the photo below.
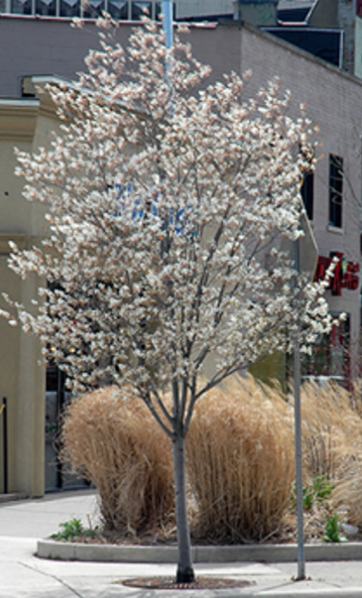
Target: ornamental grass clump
[332,430]
[116,444]
[332,436]
[348,493]
[240,458]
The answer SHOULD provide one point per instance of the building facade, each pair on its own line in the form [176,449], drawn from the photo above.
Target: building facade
[333,101]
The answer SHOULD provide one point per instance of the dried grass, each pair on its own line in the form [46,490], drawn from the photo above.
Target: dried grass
[332,437]
[341,411]
[332,430]
[347,495]
[241,462]
[117,445]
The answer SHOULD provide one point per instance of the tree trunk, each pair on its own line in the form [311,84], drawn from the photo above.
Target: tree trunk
[185,572]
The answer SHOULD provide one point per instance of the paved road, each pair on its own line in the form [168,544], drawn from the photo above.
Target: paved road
[24,575]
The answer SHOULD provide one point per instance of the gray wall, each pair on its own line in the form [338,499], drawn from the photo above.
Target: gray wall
[52,47]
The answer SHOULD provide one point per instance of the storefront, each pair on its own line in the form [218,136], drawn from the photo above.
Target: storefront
[335,356]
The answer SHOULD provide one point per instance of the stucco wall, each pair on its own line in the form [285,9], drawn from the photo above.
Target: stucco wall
[22,380]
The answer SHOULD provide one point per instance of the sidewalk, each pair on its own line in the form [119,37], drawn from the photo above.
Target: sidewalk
[24,575]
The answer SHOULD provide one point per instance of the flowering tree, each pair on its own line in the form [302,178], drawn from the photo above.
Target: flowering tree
[167,210]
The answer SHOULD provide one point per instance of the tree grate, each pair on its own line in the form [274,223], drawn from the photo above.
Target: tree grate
[169,583]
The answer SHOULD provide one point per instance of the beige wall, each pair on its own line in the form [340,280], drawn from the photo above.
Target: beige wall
[22,381]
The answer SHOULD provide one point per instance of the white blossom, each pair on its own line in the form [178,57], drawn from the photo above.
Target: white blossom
[167,204]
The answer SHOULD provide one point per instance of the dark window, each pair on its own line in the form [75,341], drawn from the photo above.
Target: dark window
[118,9]
[158,10]
[294,15]
[69,8]
[23,8]
[307,192]
[324,43]
[45,8]
[93,9]
[335,190]
[330,357]
[140,9]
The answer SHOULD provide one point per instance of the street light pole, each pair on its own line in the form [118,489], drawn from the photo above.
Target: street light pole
[304,252]
[167,11]
[298,437]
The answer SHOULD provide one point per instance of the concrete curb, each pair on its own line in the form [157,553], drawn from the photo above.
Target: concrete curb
[301,593]
[67,551]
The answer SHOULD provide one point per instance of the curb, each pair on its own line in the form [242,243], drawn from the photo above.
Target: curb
[71,551]
[301,593]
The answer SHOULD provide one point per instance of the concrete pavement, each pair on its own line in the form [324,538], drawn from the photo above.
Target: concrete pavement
[24,575]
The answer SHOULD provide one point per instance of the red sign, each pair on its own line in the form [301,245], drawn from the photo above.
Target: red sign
[345,275]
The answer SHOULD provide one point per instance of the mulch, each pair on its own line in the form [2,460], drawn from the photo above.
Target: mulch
[200,583]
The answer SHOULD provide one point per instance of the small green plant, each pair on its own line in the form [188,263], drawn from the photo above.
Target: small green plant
[318,491]
[308,497]
[332,531]
[71,530]
[322,488]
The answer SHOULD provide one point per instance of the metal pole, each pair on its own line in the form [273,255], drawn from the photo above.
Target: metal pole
[5,445]
[60,405]
[298,461]
[167,11]
[298,440]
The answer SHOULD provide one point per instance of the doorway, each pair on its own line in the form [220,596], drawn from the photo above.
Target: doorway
[58,475]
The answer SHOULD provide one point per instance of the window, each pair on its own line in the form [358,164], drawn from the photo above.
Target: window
[45,7]
[140,9]
[118,9]
[23,7]
[69,8]
[121,10]
[335,190]
[330,358]
[158,10]
[93,9]
[307,192]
